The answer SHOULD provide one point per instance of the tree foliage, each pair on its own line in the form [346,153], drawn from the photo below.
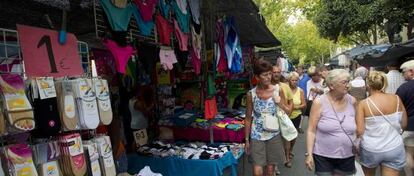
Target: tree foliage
[362,21]
[301,40]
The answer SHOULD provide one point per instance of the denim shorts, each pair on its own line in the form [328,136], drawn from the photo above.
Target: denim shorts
[325,166]
[394,159]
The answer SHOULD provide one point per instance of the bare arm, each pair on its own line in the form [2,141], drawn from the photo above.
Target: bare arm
[302,100]
[360,119]
[404,115]
[283,103]
[249,111]
[314,117]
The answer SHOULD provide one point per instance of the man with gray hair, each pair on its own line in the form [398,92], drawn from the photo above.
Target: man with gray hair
[406,93]
[394,78]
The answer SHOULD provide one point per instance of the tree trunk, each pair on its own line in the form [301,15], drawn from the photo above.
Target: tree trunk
[410,28]
[375,34]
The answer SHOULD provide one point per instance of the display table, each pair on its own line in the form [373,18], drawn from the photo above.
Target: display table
[199,134]
[172,166]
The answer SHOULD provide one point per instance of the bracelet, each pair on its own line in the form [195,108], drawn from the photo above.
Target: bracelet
[246,139]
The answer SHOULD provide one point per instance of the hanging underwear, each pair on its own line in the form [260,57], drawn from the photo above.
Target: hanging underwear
[182,4]
[196,42]
[164,30]
[118,18]
[220,53]
[167,58]
[183,19]
[181,37]
[196,63]
[144,27]
[121,54]
[165,8]
[195,10]
[146,8]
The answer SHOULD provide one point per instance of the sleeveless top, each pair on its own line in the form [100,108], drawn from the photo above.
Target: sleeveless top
[382,132]
[330,140]
[296,102]
[260,107]
[138,119]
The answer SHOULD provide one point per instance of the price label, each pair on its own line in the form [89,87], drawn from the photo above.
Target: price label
[141,137]
[43,56]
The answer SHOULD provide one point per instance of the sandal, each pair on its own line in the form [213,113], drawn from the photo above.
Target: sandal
[288,164]
[291,155]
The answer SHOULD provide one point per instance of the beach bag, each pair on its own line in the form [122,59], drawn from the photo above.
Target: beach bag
[287,129]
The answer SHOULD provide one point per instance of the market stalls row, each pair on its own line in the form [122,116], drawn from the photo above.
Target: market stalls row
[167,80]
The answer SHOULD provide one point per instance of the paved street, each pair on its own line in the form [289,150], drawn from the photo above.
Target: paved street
[298,164]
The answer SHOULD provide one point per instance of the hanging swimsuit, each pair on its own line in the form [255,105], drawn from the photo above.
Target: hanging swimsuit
[167,58]
[183,19]
[164,29]
[181,37]
[144,27]
[220,53]
[121,54]
[118,18]
[146,8]
[195,10]
[165,8]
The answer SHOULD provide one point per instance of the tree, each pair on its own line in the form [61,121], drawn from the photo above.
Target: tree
[363,21]
[300,41]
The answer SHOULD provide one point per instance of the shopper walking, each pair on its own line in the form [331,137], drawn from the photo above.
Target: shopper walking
[406,93]
[331,129]
[394,77]
[357,87]
[380,119]
[299,104]
[262,101]
[314,87]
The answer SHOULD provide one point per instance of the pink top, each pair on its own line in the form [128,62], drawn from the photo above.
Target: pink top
[121,54]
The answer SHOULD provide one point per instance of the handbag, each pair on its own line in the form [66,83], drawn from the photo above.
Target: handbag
[270,120]
[287,129]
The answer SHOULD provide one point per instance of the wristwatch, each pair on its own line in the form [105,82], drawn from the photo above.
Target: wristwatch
[246,139]
[306,154]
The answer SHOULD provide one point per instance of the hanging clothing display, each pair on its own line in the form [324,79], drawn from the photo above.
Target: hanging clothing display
[182,19]
[196,42]
[195,10]
[145,27]
[165,8]
[164,30]
[219,48]
[121,54]
[146,8]
[232,46]
[118,18]
[181,37]
[167,58]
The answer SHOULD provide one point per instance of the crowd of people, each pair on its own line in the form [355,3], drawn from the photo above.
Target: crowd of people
[352,115]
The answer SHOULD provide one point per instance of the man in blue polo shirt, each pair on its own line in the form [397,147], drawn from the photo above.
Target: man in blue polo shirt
[406,93]
[302,83]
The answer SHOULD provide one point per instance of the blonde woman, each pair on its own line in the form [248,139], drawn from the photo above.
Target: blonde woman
[299,104]
[380,120]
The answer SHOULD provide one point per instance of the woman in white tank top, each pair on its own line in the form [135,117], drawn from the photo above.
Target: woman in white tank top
[380,120]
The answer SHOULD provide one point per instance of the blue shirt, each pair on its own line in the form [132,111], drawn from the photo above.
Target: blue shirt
[302,83]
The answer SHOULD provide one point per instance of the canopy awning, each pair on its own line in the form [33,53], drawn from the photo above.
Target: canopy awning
[250,24]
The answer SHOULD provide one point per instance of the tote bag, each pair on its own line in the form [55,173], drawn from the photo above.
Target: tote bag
[287,129]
